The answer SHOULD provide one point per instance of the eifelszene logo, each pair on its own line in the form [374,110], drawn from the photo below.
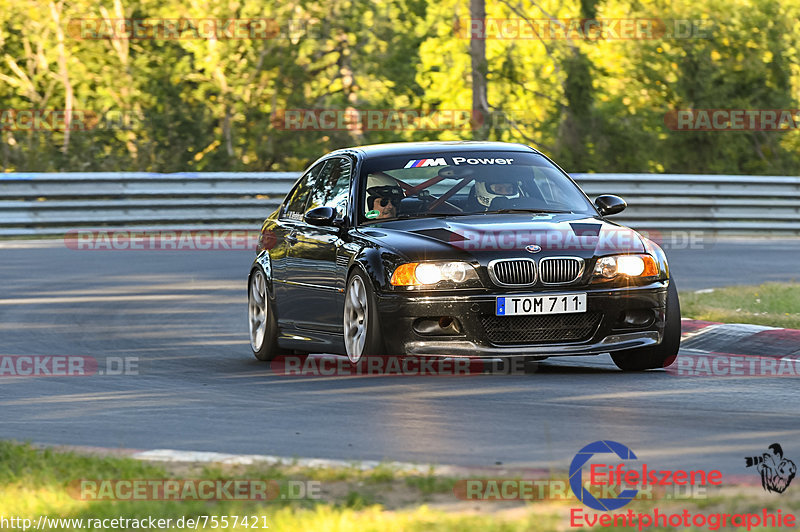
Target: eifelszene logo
[576,475]
[620,475]
[776,471]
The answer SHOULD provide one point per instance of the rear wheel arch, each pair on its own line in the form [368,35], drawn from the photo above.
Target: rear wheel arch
[262,322]
[264,263]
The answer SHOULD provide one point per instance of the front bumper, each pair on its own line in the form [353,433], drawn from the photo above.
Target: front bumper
[400,311]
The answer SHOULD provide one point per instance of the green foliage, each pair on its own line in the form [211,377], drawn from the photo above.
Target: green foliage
[213,105]
[35,467]
[773,304]
[430,484]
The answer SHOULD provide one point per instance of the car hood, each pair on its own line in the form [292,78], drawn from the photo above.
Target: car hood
[488,237]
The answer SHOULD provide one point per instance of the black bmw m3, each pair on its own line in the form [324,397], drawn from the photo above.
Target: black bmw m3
[456,249]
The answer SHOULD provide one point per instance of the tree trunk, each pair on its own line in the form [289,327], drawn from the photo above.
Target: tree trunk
[477,52]
[63,71]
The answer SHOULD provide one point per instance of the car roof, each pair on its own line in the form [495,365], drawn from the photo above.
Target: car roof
[402,148]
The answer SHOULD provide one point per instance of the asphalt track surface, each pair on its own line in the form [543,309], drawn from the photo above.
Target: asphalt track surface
[182,314]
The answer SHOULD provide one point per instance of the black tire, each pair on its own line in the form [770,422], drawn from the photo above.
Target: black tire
[263,341]
[361,311]
[663,354]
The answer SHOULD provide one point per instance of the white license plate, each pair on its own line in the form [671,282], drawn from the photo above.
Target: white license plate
[549,304]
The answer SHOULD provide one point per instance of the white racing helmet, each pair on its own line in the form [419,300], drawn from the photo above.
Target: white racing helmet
[486,190]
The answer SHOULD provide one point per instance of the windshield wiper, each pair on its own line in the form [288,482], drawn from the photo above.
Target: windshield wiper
[535,211]
[432,215]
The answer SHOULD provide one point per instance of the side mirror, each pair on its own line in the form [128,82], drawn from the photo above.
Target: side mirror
[608,204]
[320,216]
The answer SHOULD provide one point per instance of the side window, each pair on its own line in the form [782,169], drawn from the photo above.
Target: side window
[296,205]
[331,187]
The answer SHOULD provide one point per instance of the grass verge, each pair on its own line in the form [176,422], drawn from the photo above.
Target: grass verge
[36,482]
[773,304]
[43,482]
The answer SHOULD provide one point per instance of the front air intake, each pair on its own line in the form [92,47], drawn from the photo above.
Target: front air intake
[513,272]
[560,270]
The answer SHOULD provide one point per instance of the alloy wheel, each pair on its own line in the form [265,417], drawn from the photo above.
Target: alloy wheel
[257,310]
[356,316]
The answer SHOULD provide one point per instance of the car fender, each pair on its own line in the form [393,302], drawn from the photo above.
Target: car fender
[658,253]
[262,262]
[369,260]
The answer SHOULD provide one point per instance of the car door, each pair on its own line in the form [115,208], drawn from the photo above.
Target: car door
[316,276]
[290,222]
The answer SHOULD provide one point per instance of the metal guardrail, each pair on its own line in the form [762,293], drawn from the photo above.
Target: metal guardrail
[714,203]
[55,203]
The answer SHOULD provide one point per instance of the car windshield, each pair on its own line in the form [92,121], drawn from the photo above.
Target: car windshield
[459,184]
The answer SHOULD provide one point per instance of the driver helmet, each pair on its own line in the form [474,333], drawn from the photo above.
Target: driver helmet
[487,189]
[380,186]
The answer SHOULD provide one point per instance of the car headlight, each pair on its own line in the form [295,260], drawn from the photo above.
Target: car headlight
[431,273]
[631,266]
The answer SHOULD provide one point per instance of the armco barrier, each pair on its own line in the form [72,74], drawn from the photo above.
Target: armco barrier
[54,203]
